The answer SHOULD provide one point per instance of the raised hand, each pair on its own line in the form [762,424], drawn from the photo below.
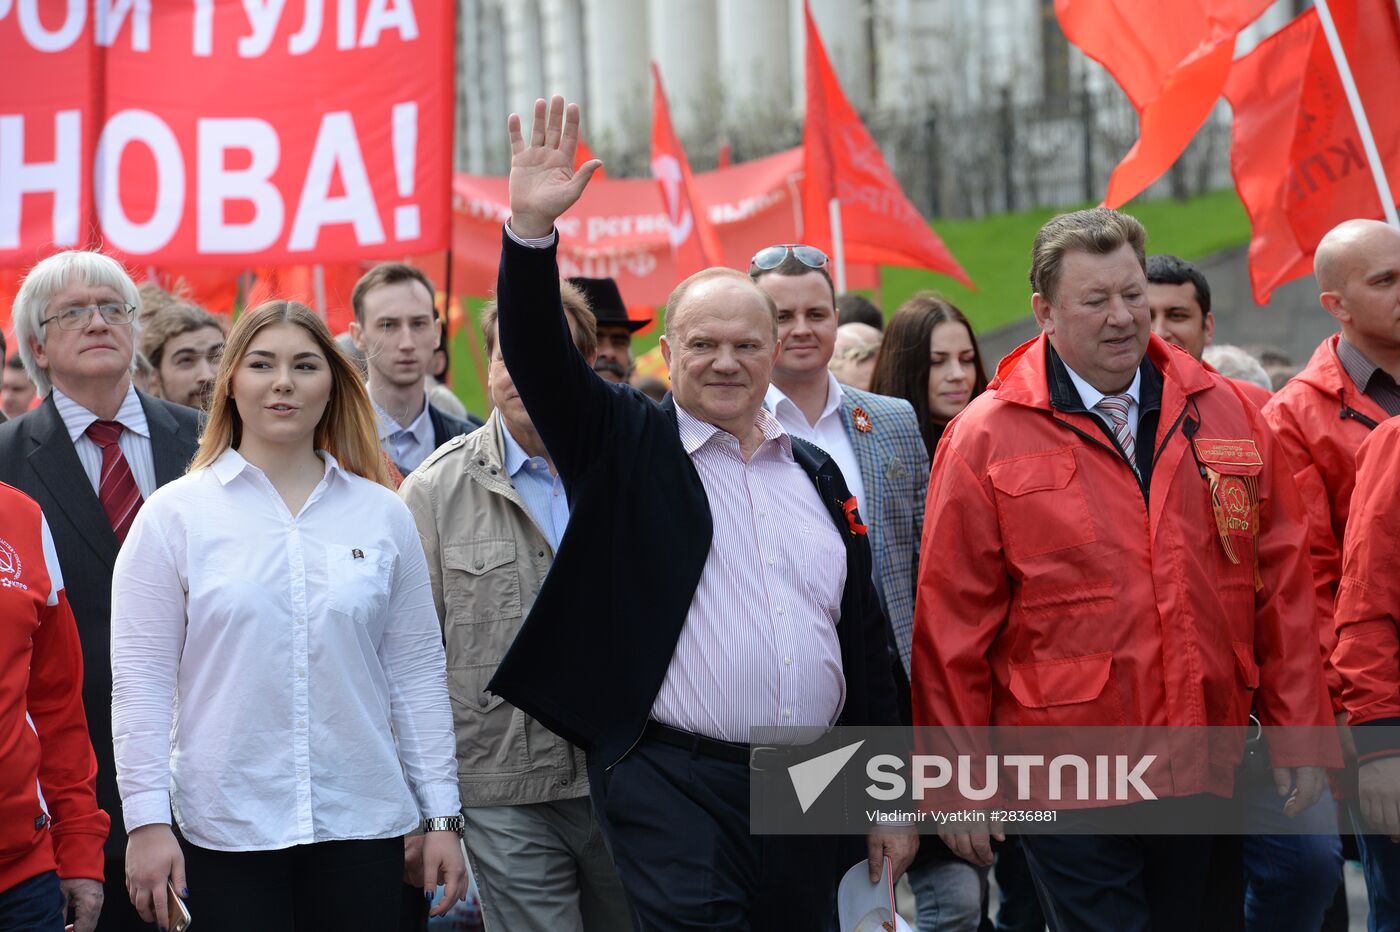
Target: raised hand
[543,183]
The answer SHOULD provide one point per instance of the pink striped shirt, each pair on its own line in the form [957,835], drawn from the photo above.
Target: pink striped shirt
[759,645]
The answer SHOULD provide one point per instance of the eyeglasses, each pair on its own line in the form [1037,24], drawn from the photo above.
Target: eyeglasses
[77,318]
[770,257]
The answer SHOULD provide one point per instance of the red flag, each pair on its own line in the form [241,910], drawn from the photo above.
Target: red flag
[584,154]
[723,161]
[1296,154]
[693,240]
[879,224]
[1171,59]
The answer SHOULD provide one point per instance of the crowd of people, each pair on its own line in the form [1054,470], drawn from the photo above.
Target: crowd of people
[293,641]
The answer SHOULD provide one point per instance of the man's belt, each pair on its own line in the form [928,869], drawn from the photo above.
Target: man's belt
[730,751]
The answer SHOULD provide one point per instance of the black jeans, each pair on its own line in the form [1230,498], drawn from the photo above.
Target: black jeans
[33,905]
[677,824]
[1123,883]
[336,886]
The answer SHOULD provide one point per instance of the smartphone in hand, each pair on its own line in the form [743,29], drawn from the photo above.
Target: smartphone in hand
[175,907]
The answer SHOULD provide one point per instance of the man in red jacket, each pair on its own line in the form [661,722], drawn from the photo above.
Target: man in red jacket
[1348,387]
[1131,552]
[1368,659]
[51,831]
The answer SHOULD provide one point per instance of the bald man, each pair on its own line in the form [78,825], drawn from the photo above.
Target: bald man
[1347,389]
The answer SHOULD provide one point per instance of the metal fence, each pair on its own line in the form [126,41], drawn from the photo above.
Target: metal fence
[1016,156]
[1006,157]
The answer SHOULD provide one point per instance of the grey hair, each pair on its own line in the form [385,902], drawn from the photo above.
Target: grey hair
[50,276]
[1234,363]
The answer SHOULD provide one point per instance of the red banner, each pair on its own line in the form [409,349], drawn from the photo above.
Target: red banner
[1171,59]
[1296,152]
[619,229]
[694,244]
[217,132]
[878,222]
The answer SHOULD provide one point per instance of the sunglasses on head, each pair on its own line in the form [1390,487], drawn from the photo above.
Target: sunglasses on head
[770,257]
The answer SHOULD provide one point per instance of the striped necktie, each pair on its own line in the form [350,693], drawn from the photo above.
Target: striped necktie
[1116,407]
[117,490]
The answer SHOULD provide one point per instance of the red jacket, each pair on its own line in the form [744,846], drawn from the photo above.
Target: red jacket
[1054,591]
[1368,598]
[48,798]
[1320,419]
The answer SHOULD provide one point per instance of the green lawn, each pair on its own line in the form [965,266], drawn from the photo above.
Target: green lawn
[995,251]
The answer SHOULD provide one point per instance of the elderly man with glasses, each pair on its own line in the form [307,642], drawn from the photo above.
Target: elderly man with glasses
[90,454]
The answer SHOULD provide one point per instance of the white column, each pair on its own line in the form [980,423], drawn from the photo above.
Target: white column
[482,101]
[845,33]
[524,56]
[755,61]
[619,78]
[685,44]
[561,24]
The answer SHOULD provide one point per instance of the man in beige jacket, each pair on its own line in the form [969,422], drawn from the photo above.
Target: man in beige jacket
[491,511]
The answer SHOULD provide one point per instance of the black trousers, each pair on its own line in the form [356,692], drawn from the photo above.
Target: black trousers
[677,824]
[335,886]
[1123,883]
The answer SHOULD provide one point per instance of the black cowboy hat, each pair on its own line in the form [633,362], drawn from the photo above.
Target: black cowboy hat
[606,303]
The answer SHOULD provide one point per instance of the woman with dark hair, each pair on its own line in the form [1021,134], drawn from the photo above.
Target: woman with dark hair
[930,358]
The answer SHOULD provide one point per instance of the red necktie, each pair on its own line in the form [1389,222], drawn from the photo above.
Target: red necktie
[117,490]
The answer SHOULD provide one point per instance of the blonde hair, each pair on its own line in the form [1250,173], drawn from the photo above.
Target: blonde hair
[348,429]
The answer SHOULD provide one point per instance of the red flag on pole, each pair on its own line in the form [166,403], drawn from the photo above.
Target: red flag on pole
[879,224]
[1171,59]
[584,154]
[693,240]
[1296,153]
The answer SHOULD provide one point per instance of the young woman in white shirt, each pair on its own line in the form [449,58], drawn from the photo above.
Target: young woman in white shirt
[273,606]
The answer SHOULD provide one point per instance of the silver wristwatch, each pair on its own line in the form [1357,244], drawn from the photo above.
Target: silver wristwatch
[446,824]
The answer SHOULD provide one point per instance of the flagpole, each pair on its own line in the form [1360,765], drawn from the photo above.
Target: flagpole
[838,245]
[1358,113]
[318,287]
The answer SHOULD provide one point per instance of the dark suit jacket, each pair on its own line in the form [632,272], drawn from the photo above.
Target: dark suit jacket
[594,650]
[37,457]
[445,426]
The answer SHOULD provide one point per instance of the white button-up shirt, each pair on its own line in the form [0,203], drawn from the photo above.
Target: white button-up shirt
[828,432]
[299,659]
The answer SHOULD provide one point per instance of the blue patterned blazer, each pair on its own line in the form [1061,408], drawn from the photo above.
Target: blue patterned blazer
[894,468]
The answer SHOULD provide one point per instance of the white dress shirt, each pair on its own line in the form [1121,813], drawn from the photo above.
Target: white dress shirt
[135,441]
[279,680]
[828,432]
[407,446]
[1092,396]
[759,646]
